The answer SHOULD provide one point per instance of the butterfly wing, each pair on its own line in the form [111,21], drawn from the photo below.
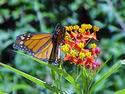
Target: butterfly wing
[45,53]
[38,45]
[54,54]
[42,46]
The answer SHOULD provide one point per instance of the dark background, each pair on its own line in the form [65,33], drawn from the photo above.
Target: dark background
[21,16]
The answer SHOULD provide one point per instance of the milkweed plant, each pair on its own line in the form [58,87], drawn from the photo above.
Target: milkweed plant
[79,48]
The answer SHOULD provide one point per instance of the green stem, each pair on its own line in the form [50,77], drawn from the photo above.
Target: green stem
[54,79]
[76,80]
[60,77]
[86,81]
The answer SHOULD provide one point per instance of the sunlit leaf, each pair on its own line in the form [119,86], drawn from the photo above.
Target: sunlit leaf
[2,92]
[109,72]
[120,92]
[31,78]
[55,68]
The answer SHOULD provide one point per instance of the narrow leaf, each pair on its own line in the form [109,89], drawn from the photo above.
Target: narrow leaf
[2,92]
[31,78]
[104,64]
[112,70]
[68,77]
[120,92]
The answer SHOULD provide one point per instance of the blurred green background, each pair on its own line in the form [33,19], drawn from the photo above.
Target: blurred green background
[21,16]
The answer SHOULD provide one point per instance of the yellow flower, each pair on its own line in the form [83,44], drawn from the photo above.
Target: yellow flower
[67,28]
[89,26]
[71,28]
[95,28]
[81,55]
[86,26]
[93,45]
[81,45]
[73,53]
[81,30]
[65,48]
[75,27]
[67,36]
[88,54]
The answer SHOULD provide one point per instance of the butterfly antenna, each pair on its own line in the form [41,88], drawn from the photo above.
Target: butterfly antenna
[58,26]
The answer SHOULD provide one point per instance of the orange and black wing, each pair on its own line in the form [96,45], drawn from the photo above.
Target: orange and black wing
[38,45]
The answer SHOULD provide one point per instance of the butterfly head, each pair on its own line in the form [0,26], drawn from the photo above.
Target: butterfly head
[59,33]
[59,29]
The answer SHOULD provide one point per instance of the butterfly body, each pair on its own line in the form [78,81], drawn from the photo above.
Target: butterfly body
[43,46]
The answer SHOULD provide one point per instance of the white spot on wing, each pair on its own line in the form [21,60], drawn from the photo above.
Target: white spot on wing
[29,35]
[21,42]
[22,37]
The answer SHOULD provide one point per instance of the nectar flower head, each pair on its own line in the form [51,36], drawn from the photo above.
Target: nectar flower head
[65,48]
[86,26]
[75,45]
[81,45]
[88,54]
[73,53]
[96,65]
[81,55]
[93,45]
[95,28]
[81,30]
[76,27]
[97,50]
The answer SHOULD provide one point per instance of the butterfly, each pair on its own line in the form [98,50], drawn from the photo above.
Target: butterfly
[44,46]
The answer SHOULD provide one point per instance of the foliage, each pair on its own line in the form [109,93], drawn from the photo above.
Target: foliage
[112,70]
[21,16]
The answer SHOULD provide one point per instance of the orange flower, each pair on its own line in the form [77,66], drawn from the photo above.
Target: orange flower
[75,46]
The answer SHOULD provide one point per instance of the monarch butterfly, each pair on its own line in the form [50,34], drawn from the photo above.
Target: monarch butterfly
[43,46]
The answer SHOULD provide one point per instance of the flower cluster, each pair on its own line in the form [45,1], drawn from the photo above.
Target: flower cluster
[77,46]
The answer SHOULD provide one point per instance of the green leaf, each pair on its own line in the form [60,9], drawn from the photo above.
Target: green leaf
[2,92]
[20,86]
[31,78]
[120,92]
[103,65]
[2,2]
[112,70]
[55,68]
